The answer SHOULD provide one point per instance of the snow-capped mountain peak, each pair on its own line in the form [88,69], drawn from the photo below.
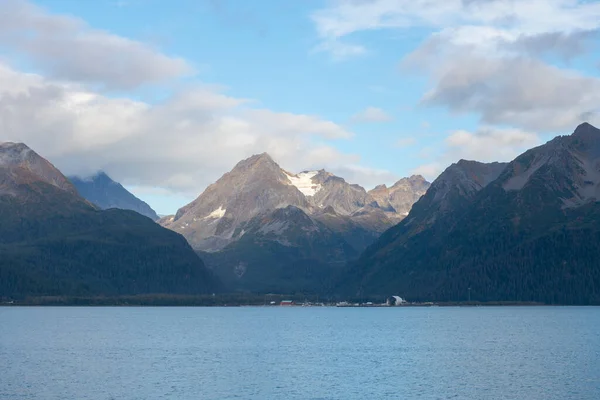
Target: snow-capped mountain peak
[257,186]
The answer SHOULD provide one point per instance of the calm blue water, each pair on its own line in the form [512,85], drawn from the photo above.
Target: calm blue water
[300,353]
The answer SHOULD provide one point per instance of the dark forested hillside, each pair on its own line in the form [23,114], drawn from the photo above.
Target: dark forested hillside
[283,251]
[53,242]
[530,234]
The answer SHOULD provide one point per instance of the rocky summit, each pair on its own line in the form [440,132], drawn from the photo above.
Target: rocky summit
[259,220]
[523,231]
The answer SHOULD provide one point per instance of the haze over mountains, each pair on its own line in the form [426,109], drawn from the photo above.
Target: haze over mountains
[102,191]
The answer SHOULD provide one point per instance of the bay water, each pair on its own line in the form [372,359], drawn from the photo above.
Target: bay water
[472,353]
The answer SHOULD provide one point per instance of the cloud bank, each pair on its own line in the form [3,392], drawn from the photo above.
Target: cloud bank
[510,63]
[66,47]
[69,113]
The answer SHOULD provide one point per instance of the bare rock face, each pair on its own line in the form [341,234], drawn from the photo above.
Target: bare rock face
[398,199]
[568,166]
[20,167]
[259,185]
[458,183]
[253,186]
[335,192]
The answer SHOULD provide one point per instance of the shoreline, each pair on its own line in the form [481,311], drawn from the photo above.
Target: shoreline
[243,300]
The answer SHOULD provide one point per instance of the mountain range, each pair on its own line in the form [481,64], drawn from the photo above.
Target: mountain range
[54,242]
[527,230]
[261,228]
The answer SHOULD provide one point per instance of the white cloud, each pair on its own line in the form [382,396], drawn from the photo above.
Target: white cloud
[173,148]
[182,144]
[490,144]
[489,58]
[429,171]
[67,48]
[515,91]
[371,114]
[495,20]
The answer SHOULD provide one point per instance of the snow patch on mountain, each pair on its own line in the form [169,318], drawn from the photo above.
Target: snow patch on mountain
[218,213]
[303,181]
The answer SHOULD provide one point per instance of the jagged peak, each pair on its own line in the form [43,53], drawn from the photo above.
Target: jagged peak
[380,187]
[411,180]
[586,130]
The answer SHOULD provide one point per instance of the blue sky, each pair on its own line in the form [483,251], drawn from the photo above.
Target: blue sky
[167,96]
[264,50]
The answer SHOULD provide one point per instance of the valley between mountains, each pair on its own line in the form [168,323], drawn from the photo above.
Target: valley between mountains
[526,230]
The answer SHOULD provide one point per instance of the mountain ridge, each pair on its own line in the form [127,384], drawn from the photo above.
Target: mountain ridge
[529,234]
[222,223]
[259,184]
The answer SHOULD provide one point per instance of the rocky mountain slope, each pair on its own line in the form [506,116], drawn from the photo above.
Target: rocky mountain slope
[398,199]
[102,191]
[227,224]
[21,167]
[54,242]
[253,186]
[526,231]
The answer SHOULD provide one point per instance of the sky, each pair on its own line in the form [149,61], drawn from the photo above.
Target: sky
[167,96]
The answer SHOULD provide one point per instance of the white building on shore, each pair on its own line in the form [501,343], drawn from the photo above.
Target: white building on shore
[395,301]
